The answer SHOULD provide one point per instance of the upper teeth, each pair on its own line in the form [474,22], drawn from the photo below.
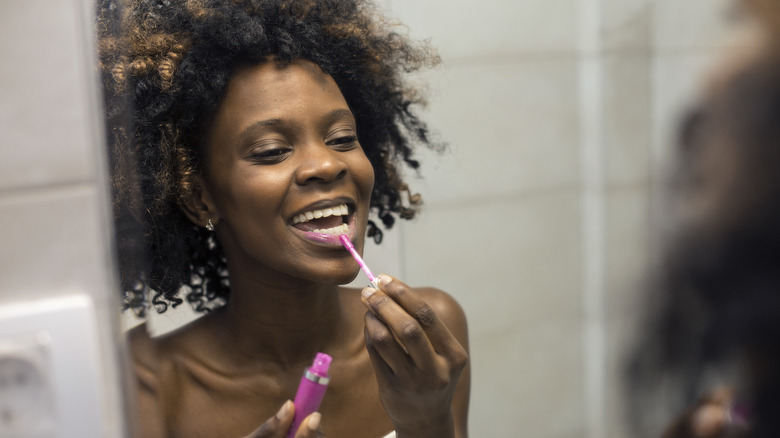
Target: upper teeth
[339,210]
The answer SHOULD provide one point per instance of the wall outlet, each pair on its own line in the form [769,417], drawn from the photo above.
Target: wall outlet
[51,384]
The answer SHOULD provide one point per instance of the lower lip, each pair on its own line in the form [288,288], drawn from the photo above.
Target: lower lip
[330,238]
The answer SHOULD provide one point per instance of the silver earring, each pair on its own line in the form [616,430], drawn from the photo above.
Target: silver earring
[210,226]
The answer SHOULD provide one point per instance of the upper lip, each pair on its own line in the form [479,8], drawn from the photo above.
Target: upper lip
[325,203]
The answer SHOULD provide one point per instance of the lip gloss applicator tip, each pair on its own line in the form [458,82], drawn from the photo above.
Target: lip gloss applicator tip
[373,281]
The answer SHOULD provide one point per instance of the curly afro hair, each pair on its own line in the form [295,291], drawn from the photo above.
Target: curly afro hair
[165,67]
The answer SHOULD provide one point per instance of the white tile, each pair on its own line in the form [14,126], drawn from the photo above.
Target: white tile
[160,323]
[509,263]
[384,257]
[627,25]
[45,125]
[464,28]
[52,244]
[627,259]
[528,382]
[691,24]
[621,333]
[511,127]
[627,118]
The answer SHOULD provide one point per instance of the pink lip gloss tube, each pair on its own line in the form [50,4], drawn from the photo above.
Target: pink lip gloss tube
[311,390]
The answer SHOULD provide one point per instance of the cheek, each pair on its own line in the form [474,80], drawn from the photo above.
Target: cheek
[256,192]
[364,174]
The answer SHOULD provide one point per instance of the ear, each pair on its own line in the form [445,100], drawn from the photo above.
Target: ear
[199,206]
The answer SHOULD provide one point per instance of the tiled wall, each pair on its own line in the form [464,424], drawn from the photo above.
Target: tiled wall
[54,217]
[539,219]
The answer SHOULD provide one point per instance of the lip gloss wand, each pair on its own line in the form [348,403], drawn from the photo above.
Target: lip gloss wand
[373,281]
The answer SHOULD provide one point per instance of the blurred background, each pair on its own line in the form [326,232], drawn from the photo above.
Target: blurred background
[541,218]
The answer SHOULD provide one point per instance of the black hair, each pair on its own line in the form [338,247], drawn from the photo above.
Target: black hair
[166,65]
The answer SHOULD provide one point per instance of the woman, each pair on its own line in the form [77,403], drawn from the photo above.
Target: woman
[714,333]
[257,127]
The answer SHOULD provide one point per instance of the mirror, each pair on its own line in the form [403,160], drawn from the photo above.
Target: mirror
[540,218]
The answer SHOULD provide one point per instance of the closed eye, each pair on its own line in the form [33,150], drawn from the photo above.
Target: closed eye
[345,143]
[270,156]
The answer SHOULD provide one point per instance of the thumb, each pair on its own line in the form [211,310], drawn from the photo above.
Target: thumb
[276,426]
[311,427]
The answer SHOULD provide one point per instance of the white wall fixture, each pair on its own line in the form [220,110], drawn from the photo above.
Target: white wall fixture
[50,369]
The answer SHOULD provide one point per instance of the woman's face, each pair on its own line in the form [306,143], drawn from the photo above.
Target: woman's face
[281,152]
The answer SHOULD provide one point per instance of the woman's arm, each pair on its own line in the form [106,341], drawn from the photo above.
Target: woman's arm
[418,344]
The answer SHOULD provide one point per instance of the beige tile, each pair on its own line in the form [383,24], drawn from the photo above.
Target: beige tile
[463,28]
[627,249]
[691,24]
[160,323]
[511,263]
[620,338]
[511,127]
[385,257]
[528,382]
[45,126]
[627,118]
[52,243]
[627,25]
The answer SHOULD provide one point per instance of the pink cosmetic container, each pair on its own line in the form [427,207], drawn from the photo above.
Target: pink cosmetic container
[311,390]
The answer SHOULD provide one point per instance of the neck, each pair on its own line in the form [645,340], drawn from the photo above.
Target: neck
[285,324]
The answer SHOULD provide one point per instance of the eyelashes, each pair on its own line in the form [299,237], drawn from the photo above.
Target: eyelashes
[276,154]
[347,142]
[271,155]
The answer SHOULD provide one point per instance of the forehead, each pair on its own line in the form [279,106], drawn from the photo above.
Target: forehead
[295,95]
[267,86]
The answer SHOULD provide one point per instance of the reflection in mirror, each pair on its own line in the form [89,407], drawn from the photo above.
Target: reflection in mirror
[539,219]
[710,349]
[245,138]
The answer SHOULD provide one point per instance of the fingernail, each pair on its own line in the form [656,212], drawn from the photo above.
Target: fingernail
[285,409]
[383,279]
[314,421]
[367,292]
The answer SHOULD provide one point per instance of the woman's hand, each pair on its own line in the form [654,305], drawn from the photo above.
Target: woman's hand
[278,425]
[714,416]
[417,360]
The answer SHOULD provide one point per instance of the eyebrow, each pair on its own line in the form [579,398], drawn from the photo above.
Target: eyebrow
[259,125]
[339,114]
[331,117]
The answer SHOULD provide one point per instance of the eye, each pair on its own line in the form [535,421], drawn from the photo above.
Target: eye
[344,142]
[270,155]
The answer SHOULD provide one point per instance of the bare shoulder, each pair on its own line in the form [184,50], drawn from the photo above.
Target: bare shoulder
[143,350]
[155,364]
[447,309]
[146,367]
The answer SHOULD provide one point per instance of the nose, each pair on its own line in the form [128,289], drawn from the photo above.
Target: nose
[320,164]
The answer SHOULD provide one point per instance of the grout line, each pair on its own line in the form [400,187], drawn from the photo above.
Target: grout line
[592,156]
[27,193]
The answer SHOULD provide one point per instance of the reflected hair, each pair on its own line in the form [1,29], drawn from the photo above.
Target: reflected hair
[714,304]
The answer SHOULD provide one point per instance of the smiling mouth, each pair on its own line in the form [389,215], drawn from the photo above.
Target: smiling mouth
[333,220]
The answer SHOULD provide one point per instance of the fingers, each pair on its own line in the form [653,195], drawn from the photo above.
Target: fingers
[423,332]
[708,420]
[276,426]
[279,425]
[311,427]
[387,355]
